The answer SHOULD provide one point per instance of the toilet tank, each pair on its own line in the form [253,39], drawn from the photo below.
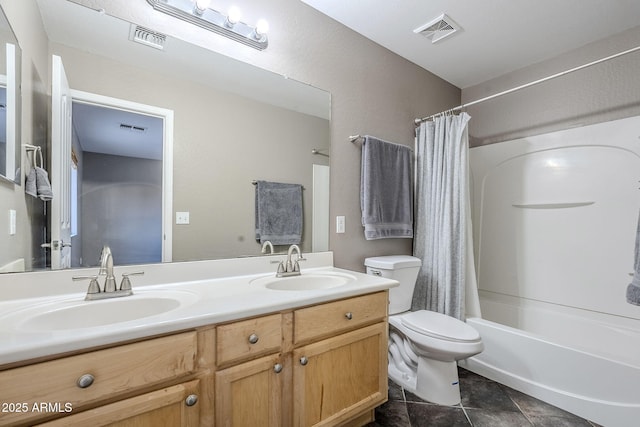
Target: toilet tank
[404,269]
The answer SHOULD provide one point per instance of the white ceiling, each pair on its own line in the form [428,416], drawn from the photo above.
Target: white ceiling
[498,36]
[117,132]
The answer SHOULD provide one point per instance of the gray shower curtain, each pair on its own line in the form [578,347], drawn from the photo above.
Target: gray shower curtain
[442,221]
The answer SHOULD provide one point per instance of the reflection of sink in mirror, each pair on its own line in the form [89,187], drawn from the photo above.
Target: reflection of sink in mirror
[76,314]
[304,282]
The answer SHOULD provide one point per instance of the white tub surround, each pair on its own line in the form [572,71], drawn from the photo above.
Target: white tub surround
[208,292]
[555,220]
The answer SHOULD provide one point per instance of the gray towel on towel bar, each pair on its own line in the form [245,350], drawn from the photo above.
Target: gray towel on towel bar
[43,185]
[30,183]
[386,189]
[37,184]
[633,290]
[278,213]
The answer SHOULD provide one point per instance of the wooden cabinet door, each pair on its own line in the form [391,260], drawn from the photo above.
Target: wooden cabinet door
[169,407]
[250,394]
[340,377]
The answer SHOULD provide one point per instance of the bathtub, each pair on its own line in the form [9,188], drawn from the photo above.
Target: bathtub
[597,379]
[554,221]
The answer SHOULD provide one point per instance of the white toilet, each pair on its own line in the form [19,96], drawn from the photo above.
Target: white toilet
[423,345]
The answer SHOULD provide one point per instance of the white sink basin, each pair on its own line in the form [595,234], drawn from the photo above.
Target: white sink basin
[304,282]
[77,314]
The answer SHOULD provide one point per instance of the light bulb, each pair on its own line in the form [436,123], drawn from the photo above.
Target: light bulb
[234,15]
[201,6]
[262,28]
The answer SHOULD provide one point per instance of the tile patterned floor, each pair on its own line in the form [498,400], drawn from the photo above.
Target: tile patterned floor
[485,403]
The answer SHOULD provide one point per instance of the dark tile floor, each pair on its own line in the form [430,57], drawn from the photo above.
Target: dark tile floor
[485,403]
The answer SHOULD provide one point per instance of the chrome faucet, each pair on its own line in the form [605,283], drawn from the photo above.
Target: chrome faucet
[110,280]
[106,251]
[265,245]
[291,268]
[109,290]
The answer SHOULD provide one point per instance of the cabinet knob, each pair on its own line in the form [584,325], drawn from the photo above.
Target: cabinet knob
[304,360]
[85,381]
[277,368]
[253,338]
[191,400]
[348,315]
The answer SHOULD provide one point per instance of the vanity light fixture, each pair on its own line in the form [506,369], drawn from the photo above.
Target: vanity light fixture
[197,12]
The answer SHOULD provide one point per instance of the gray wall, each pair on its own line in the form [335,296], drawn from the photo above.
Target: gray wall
[603,92]
[222,142]
[121,200]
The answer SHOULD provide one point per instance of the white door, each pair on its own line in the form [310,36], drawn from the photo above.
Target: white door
[61,139]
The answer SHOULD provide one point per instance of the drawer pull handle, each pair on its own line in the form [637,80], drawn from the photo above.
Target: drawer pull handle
[191,400]
[304,360]
[253,338]
[277,368]
[348,315]
[85,381]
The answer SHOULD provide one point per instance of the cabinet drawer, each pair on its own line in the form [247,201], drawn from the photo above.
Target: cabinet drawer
[248,338]
[113,371]
[171,406]
[335,317]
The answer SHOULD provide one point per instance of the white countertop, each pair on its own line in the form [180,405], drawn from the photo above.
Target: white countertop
[210,301]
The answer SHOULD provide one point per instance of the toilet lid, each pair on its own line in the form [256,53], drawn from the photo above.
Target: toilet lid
[439,325]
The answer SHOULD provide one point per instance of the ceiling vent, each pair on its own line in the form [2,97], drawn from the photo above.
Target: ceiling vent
[441,27]
[132,128]
[147,37]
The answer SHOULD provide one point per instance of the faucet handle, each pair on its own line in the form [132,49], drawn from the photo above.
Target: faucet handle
[125,285]
[94,286]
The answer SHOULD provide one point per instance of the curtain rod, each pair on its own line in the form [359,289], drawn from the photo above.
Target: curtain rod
[526,85]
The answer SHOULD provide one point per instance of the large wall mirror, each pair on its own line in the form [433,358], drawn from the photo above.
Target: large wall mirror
[10,114]
[233,124]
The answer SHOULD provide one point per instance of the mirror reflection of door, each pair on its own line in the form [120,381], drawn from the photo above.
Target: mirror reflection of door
[111,173]
[119,161]
[59,213]
[3,127]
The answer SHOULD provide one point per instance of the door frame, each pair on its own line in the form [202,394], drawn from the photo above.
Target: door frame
[167,154]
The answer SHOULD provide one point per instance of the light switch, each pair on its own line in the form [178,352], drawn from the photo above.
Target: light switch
[12,222]
[182,217]
[340,224]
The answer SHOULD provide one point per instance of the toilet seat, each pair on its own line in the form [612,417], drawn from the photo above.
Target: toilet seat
[439,326]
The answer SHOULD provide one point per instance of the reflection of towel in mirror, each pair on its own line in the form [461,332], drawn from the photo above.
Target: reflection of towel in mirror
[278,213]
[43,185]
[37,183]
[633,290]
[30,184]
[386,190]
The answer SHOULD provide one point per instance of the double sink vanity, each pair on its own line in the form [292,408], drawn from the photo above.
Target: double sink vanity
[206,343]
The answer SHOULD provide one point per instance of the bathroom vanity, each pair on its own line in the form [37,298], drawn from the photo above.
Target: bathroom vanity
[294,357]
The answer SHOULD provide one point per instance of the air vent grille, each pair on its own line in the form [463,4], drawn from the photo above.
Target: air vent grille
[441,27]
[147,37]
[132,128]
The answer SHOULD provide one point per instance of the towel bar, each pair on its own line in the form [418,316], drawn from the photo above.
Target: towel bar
[254,182]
